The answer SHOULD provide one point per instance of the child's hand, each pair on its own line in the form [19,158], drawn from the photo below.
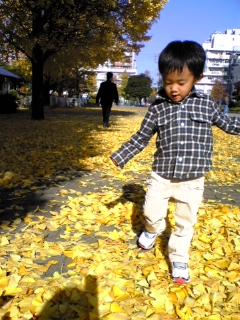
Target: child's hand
[116,164]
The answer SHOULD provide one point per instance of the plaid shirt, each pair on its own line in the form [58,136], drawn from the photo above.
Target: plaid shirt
[184,135]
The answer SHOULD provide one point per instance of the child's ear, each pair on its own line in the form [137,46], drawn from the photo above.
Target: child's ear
[199,78]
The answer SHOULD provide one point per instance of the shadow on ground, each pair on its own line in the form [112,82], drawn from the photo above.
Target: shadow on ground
[70,300]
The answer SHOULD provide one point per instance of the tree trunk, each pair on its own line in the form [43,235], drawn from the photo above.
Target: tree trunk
[37,90]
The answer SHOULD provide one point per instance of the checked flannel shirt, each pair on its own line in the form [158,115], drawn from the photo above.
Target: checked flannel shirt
[184,136]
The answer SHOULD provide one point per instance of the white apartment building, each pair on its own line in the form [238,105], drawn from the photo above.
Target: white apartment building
[222,61]
[117,69]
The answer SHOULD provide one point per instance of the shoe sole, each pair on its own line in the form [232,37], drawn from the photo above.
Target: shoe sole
[180,280]
[144,248]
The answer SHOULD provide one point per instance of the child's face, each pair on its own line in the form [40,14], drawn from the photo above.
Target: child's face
[178,85]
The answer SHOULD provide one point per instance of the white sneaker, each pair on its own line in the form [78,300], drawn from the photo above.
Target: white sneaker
[180,272]
[146,240]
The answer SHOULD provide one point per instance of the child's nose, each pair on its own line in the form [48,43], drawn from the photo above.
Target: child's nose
[174,87]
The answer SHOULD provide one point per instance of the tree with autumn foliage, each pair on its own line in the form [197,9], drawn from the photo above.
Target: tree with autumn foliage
[40,29]
[123,84]
[218,91]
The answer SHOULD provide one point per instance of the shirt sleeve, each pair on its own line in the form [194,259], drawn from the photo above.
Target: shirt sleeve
[138,141]
[228,124]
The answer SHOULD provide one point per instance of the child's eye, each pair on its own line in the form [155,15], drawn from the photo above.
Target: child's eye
[182,83]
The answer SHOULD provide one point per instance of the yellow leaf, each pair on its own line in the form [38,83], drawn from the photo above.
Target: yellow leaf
[214,317]
[219,250]
[14,280]
[44,307]
[63,308]
[204,238]
[151,276]
[9,291]
[159,305]
[199,289]
[114,235]
[27,315]
[234,266]
[37,301]
[22,270]
[172,297]
[56,275]
[181,294]
[3,282]
[225,209]
[117,291]
[89,282]
[115,307]
[146,271]
[27,280]
[13,312]
[222,264]
[200,311]
[68,253]
[4,241]
[180,313]
[15,257]
[117,316]
[143,283]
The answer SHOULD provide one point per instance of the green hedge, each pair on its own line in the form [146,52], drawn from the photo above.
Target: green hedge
[92,101]
[234,106]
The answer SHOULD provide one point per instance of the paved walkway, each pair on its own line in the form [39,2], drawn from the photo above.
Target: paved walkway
[85,182]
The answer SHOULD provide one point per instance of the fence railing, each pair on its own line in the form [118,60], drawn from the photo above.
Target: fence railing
[65,102]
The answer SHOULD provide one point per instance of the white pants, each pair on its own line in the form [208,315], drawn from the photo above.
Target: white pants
[188,195]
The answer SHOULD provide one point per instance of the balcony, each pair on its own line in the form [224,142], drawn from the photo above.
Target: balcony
[207,81]
[218,56]
[217,64]
[217,73]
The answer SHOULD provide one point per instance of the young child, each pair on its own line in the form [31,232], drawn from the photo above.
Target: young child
[182,119]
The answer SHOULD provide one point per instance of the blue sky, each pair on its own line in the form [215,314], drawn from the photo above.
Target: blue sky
[187,20]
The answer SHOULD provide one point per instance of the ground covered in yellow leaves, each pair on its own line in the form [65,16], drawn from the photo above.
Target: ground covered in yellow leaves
[106,276]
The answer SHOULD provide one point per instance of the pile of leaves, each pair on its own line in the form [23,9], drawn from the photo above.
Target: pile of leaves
[106,275]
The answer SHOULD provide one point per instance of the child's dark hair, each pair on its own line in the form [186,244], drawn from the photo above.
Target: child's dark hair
[178,54]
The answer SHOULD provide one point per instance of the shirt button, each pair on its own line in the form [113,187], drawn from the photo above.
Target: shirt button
[180,159]
[182,142]
[182,124]
[182,107]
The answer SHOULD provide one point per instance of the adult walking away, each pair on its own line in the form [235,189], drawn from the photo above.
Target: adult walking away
[107,93]
[182,118]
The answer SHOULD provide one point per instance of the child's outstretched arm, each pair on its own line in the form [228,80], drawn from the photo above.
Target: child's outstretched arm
[223,121]
[138,141]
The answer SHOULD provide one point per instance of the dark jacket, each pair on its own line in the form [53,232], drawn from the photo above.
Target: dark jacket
[107,93]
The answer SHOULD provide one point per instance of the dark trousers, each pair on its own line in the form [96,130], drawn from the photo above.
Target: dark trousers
[106,110]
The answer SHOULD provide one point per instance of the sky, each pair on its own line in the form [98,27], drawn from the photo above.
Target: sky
[187,20]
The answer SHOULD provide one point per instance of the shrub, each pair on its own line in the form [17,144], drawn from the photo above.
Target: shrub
[14,94]
[93,96]
[234,106]
[91,101]
[8,103]
[237,104]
